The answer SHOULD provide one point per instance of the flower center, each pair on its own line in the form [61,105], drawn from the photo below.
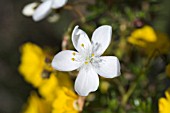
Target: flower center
[87,56]
[89,59]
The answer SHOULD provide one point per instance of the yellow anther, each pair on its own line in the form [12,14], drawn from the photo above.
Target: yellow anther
[74,53]
[92,55]
[82,45]
[73,59]
[86,62]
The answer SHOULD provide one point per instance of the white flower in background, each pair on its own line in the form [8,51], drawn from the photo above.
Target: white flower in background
[88,59]
[43,9]
[29,9]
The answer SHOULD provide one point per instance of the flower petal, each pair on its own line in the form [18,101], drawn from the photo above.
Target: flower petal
[64,61]
[29,9]
[87,81]
[42,11]
[80,40]
[101,39]
[109,67]
[58,3]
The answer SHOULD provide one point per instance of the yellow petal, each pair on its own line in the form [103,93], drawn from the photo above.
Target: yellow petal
[37,105]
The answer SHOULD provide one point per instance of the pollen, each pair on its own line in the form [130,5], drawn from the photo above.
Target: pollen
[86,62]
[92,55]
[73,59]
[74,53]
[82,45]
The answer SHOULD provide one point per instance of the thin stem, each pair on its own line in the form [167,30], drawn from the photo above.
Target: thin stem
[129,93]
[133,86]
[120,86]
[154,53]
[150,57]
[74,9]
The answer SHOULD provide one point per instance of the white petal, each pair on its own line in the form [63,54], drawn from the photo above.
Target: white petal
[29,9]
[42,11]
[101,39]
[109,67]
[63,61]
[79,38]
[87,81]
[58,3]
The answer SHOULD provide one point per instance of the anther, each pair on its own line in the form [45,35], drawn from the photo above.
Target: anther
[82,45]
[74,53]
[73,59]
[92,55]
[86,62]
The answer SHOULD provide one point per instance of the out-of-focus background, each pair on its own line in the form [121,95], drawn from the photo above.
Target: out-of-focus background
[16,29]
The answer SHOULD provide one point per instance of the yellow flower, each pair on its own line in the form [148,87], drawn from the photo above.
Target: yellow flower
[51,86]
[56,89]
[150,40]
[168,70]
[164,103]
[65,102]
[37,105]
[32,63]
[64,80]
[141,36]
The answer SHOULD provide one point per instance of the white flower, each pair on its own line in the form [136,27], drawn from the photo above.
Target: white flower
[43,9]
[29,9]
[88,59]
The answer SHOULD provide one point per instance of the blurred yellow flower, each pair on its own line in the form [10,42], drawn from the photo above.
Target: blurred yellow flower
[37,105]
[32,63]
[168,70]
[65,102]
[141,36]
[164,103]
[56,91]
[49,89]
[150,40]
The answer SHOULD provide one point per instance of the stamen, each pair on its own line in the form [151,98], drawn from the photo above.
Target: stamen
[73,59]
[74,53]
[86,62]
[96,46]
[96,62]
[92,55]
[82,45]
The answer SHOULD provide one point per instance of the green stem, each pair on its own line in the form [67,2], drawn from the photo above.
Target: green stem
[120,86]
[133,86]
[129,93]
